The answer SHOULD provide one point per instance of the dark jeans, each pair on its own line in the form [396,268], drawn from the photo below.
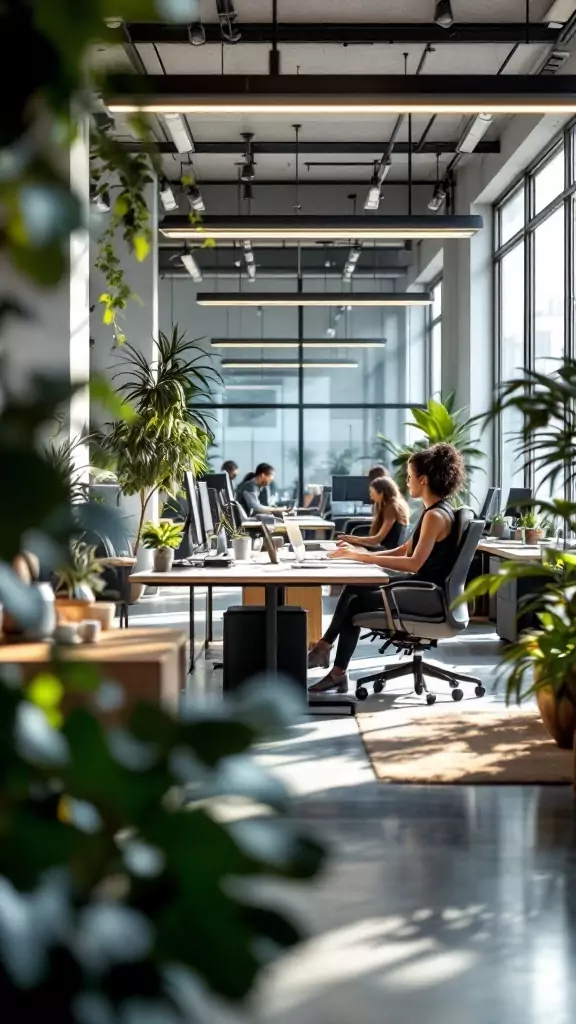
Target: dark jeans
[352,601]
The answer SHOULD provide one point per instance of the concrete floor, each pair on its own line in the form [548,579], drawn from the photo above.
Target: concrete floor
[439,904]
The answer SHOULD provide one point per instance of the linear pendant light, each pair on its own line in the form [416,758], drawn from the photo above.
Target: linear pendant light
[344,228]
[292,364]
[289,343]
[353,94]
[314,299]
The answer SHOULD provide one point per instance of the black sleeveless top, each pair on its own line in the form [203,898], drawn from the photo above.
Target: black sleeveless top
[393,538]
[441,559]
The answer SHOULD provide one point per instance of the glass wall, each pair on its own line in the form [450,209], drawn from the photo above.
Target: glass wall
[435,338]
[534,289]
[311,410]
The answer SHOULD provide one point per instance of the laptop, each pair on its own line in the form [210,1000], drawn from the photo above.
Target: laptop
[297,541]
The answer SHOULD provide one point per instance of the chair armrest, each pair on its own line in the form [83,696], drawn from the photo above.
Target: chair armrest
[117,562]
[410,585]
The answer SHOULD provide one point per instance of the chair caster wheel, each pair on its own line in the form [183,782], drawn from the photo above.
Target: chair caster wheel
[430,698]
[361,693]
[457,694]
[418,689]
[480,691]
[378,687]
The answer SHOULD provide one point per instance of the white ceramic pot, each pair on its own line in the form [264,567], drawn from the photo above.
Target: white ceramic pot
[242,547]
[163,559]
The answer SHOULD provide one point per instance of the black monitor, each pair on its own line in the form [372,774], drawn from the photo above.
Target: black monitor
[490,503]
[220,482]
[325,500]
[351,488]
[518,501]
[215,505]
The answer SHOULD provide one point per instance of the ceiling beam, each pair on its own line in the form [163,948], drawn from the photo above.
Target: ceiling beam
[305,183]
[313,148]
[345,34]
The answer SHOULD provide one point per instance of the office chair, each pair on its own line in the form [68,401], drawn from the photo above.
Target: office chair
[416,615]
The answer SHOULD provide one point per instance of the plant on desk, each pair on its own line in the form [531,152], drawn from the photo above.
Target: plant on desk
[79,580]
[530,523]
[163,539]
[237,535]
[498,525]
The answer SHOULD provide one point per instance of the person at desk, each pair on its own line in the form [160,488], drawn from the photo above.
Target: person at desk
[376,472]
[249,492]
[391,516]
[434,474]
[231,468]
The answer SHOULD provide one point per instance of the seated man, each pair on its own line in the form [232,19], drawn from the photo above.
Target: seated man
[249,492]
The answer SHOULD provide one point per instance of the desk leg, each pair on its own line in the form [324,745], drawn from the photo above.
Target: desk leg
[272,628]
[209,609]
[191,658]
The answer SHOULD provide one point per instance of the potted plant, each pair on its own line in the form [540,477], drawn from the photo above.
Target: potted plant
[78,583]
[163,539]
[498,526]
[530,523]
[241,541]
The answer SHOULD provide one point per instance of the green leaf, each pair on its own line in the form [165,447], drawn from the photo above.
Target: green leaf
[141,247]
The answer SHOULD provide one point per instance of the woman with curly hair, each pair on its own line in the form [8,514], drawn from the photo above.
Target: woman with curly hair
[434,474]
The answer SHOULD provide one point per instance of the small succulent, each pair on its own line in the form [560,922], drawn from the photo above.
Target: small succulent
[82,574]
[499,518]
[530,521]
[162,535]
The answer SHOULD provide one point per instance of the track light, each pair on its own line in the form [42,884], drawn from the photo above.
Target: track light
[247,173]
[249,260]
[443,15]
[101,199]
[197,33]
[330,332]
[353,257]
[192,267]
[178,131]
[195,198]
[372,201]
[473,133]
[439,196]
[227,15]
[247,191]
[167,197]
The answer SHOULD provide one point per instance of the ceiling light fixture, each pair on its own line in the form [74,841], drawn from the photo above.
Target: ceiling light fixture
[365,94]
[443,15]
[196,200]
[249,260]
[474,133]
[227,15]
[314,299]
[178,132]
[197,33]
[285,343]
[351,262]
[303,227]
[167,197]
[374,196]
[439,196]
[247,174]
[192,267]
[101,199]
[293,364]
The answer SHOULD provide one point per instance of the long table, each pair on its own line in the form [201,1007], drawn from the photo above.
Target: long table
[510,551]
[304,522]
[274,579]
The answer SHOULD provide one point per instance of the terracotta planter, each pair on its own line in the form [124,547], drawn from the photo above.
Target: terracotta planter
[558,712]
[71,609]
[498,529]
[533,536]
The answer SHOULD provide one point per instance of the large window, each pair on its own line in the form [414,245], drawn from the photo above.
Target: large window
[435,338]
[534,248]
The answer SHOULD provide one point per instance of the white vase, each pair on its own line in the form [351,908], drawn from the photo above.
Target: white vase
[46,624]
[163,559]
[242,547]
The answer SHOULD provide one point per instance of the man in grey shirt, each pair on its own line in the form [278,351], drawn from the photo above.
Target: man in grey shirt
[248,493]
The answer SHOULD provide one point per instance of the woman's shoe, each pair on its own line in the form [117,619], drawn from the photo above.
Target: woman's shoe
[330,682]
[319,656]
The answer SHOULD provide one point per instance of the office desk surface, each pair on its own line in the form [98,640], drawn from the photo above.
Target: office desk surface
[510,551]
[263,574]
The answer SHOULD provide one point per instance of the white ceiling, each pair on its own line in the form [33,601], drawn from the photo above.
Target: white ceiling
[402,11]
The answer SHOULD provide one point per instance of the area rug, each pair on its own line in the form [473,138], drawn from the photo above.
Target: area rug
[430,745]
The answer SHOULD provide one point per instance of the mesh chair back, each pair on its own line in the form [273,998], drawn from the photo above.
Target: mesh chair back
[470,532]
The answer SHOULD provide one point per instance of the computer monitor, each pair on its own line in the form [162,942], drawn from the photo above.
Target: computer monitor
[205,508]
[518,501]
[220,482]
[197,533]
[351,488]
[325,501]
[490,503]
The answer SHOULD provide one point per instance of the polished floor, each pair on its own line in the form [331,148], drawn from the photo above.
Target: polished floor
[439,904]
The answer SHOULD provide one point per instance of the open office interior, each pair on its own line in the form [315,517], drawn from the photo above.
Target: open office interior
[287,421]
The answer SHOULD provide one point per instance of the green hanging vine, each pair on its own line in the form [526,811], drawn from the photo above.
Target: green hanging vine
[124,177]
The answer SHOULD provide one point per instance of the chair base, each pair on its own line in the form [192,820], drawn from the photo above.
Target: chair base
[417,667]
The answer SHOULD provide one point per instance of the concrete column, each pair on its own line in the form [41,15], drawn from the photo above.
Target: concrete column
[55,338]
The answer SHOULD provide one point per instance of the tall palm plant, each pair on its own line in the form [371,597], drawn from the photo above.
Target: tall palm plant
[439,421]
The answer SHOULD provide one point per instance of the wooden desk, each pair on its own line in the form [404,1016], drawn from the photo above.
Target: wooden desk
[274,579]
[511,552]
[148,663]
